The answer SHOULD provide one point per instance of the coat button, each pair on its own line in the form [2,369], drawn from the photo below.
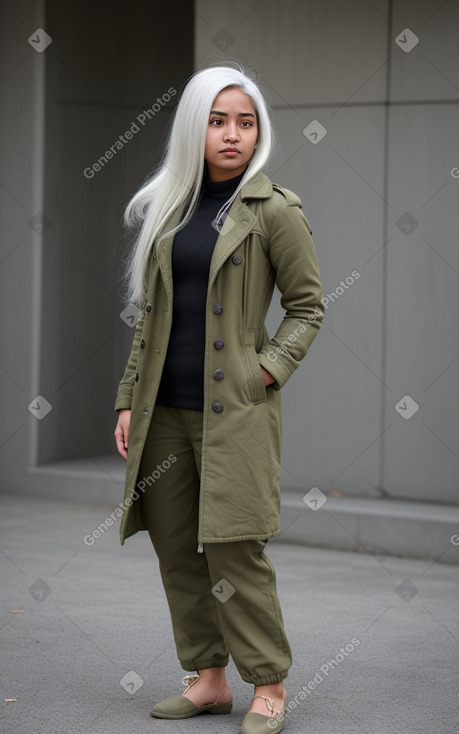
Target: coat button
[136,376]
[145,410]
[142,344]
[219,374]
[218,309]
[237,259]
[148,308]
[217,406]
[219,343]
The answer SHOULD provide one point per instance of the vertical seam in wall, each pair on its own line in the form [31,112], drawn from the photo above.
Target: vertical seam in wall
[384,284]
[36,239]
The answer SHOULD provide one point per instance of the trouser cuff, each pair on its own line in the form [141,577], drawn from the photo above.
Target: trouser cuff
[265,680]
[216,661]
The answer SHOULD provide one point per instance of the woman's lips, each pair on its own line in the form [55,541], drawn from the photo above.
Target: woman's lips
[230,152]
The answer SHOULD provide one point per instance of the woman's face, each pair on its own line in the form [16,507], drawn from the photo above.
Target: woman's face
[231,134]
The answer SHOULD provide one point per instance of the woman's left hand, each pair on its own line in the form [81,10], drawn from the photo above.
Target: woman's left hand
[267,378]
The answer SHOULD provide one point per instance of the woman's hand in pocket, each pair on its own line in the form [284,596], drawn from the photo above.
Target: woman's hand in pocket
[268,379]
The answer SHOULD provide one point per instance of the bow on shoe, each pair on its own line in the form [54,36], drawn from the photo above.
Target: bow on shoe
[188,680]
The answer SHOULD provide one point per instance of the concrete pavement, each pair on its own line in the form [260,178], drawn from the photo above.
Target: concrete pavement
[375,639]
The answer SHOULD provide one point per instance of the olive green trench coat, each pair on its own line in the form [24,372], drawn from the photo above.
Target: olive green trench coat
[265,240]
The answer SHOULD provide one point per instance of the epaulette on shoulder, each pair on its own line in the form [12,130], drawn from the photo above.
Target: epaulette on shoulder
[292,198]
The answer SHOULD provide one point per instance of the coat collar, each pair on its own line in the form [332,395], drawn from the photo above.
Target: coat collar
[259,187]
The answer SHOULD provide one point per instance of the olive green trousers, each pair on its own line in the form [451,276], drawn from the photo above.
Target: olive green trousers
[223,601]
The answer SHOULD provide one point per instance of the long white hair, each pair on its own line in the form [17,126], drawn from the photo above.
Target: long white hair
[178,179]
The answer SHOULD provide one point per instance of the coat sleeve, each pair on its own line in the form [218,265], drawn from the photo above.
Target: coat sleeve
[294,259]
[126,385]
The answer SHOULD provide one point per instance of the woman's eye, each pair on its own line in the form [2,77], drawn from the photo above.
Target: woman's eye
[217,122]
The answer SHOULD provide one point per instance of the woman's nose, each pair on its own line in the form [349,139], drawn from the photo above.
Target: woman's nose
[231,133]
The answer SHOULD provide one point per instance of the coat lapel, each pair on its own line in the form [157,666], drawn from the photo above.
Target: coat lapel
[235,228]
[239,222]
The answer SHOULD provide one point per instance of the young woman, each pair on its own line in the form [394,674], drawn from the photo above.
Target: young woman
[200,403]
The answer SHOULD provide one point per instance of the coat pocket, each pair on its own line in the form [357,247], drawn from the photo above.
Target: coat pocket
[255,384]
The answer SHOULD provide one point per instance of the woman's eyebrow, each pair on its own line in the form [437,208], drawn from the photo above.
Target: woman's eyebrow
[225,114]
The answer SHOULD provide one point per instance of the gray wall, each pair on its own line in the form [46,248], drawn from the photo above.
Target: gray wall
[105,68]
[392,126]
[63,337]
[392,122]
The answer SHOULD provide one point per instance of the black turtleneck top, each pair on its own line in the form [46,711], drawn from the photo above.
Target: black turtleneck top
[182,380]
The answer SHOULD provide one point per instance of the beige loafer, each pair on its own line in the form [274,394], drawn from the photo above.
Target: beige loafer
[180,707]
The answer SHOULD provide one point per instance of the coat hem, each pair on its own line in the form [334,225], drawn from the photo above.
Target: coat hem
[125,535]
[233,539]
